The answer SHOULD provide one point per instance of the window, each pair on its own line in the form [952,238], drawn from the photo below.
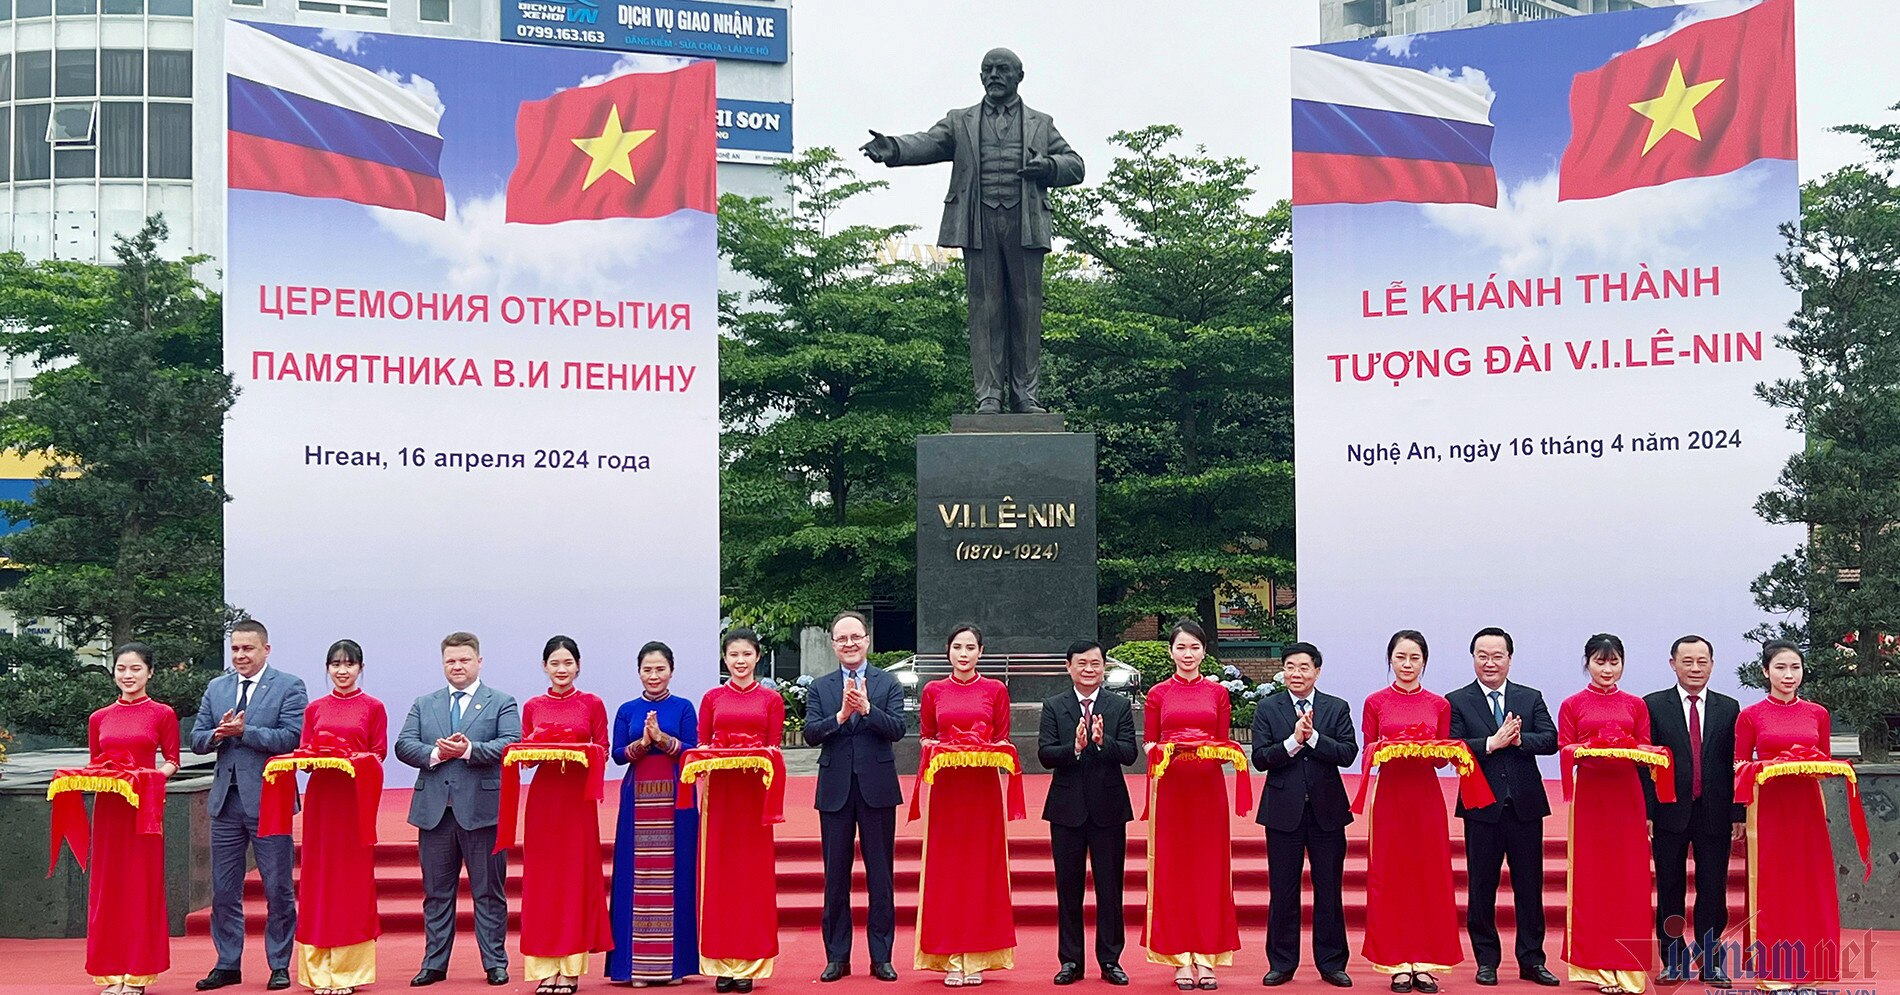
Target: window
[33,75]
[32,157]
[6,76]
[6,11]
[121,72]
[71,124]
[171,73]
[125,6]
[76,74]
[433,10]
[168,142]
[6,135]
[121,139]
[171,8]
[24,9]
[76,6]
[366,8]
[71,164]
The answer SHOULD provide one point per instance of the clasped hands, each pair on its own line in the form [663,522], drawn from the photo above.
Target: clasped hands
[855,702]
[231,726]
[1511,733]
[650,737]
[1087,731]
[453,746]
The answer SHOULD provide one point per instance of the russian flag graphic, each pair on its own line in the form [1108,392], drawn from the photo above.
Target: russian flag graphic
[305,124]
[1364,133]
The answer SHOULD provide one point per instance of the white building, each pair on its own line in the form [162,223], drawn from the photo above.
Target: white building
[111,110]
[1345,20]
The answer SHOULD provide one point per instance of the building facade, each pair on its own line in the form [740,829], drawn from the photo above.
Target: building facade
[113,110]
[1346,20]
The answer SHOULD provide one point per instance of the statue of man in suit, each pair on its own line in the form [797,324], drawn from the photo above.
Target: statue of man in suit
[1004,158]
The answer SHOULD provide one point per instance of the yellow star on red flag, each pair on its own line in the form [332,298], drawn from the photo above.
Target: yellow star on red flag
[1674,110]
[611,151]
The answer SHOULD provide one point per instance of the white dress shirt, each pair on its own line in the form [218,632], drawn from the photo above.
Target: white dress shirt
[1293,744]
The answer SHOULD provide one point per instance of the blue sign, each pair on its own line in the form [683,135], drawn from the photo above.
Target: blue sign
[755,126]
[670,27]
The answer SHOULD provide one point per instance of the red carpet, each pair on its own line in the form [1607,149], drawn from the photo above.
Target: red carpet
[54,965]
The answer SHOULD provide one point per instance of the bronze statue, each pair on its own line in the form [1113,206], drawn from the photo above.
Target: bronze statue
[1004,158]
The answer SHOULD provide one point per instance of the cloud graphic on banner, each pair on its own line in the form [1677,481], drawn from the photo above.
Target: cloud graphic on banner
[481,251]
[1532,232]
[1694,13]
[1397,46]
[1470,77]
[421,86]
[343,40]
[632,63]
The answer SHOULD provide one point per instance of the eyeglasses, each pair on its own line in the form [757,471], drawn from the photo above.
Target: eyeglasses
[850,640]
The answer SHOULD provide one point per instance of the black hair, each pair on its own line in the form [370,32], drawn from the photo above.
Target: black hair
[252,625]
[143,651]
[656,646]
[1691,638]
[1491,630]
[561,643]
[1602,642]
[1082,646]
[350,650]
[1775,647]
[1189,627]
[741,634]
[1413,635]
[960,630]
[1293,649]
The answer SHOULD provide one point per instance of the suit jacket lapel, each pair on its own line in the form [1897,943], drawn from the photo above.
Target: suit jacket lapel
[970,125]
[1677,724]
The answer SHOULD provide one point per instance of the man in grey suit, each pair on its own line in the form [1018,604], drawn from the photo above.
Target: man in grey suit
[455,737]
[1003,159]
[248,716]
[853,715]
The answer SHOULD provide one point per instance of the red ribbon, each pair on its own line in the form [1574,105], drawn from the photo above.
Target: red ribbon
[1614,738]
[1747,773]
[546,738]
[1474,790]
[278,803]
[970,743]
[774,811]
[1185,750]
[69,824]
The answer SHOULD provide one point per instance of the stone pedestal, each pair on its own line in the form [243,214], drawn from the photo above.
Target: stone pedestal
[1006,534]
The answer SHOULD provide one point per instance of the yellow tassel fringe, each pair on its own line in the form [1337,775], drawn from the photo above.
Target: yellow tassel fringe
[692,771]
[1620,753]
[545,754]
[1812,768]
[97,785]
[284,765]
[1224,754]
[976,758]
[1460,758]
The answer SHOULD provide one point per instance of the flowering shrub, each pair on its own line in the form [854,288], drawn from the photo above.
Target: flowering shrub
[1243,696]
[793,693]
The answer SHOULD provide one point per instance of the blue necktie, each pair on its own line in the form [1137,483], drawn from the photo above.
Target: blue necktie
[455,712]
[1497,707]
[1303,706]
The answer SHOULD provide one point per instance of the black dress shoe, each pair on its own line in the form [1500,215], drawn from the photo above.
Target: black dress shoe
[497,975]
[883,971]
[834,970]
[723,985]
[218,978]
[742,985]
[1487,976]
[1539,974]
[427,977]
[279,979]
[1114,975]
[1671,976]
[1424,982]
[1275,979]
[1401,983]
[1338,979]
[1716,978]
[1069,975]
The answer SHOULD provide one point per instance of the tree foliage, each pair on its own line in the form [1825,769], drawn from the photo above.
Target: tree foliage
[832,363]
[125,533]
[1174,344]
[1840,590]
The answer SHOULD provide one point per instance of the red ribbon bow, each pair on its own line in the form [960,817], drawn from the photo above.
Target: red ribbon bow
[279,799]
[1615,738]
[69,823]
[739,745]
[550,737]
[1751,772]
[1474,790]
[1160,756]
[969,741]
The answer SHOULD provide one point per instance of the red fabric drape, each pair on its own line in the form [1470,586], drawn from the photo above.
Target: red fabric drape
[1418,743]
[700,762]
[1806,761]
[1163,755]
[1613,743]
[145,786]
[936,756]
[279,800]
[570,746]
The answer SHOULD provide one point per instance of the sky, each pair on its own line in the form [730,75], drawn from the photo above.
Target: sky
[1219,70]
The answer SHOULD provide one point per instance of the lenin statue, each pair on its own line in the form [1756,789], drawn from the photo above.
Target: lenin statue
[1004,158]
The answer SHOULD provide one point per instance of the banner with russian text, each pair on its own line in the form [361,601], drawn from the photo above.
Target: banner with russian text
[471,305]
[1536,288]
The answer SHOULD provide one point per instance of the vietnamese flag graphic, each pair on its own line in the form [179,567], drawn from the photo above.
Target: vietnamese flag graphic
[637,146]
[1709,99]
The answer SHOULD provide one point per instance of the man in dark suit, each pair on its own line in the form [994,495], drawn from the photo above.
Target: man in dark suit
[1698,726]
[1004,158]
[247,716]
[455,737]
[1302,738]
[853,715]
[1507,727]
[1086,737]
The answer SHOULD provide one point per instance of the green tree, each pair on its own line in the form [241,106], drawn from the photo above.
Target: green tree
[831,364]
[125,533]
[1840,590]
[1172,341]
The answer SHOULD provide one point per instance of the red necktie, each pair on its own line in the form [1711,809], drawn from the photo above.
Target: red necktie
[1695,748]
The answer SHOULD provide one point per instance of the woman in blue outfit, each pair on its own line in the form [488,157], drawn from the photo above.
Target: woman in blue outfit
[656,842]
